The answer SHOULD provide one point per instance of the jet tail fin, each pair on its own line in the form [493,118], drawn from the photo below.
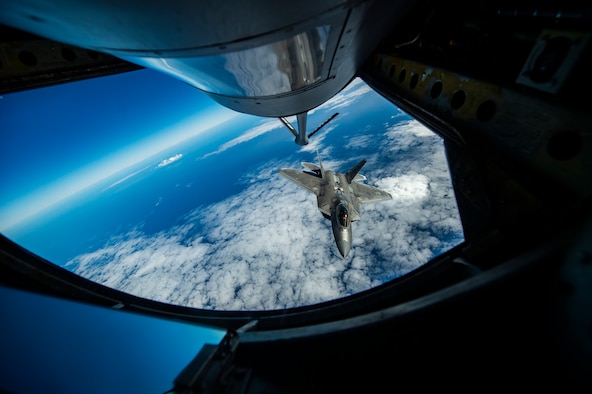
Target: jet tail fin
[320,164]
[351,174]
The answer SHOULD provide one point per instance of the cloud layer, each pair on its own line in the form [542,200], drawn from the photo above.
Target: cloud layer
[268,247]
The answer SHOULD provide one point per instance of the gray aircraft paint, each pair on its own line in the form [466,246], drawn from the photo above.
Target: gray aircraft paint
[339,196]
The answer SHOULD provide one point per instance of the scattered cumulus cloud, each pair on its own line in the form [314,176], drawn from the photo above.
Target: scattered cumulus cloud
[170,160]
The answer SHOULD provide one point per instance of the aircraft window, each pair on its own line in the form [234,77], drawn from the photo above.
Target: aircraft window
[343,215]
[178,199]
[276,68]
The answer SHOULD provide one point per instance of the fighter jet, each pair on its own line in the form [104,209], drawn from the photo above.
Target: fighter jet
[339,196]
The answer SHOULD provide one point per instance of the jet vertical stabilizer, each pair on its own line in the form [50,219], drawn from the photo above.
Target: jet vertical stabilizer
[351,174]
[320,164]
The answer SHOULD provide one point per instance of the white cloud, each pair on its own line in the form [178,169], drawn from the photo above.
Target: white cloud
[268,247]
[361,141]
[405,135]
[125,178]
[170,160]
[265,127]
[351,93]
[405,189]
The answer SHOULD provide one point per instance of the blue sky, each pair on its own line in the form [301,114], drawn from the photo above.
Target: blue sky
[59,139]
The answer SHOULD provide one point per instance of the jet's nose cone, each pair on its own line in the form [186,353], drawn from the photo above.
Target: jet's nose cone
[344,247]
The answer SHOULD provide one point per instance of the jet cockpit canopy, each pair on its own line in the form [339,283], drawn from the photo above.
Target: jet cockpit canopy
[343,215]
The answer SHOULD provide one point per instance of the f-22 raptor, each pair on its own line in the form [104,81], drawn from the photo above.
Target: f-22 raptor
[339,196]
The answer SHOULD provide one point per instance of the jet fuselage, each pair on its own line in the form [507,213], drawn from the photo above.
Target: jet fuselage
[335,196]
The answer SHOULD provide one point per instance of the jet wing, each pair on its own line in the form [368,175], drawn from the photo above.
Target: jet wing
[366,194]
[302,179]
